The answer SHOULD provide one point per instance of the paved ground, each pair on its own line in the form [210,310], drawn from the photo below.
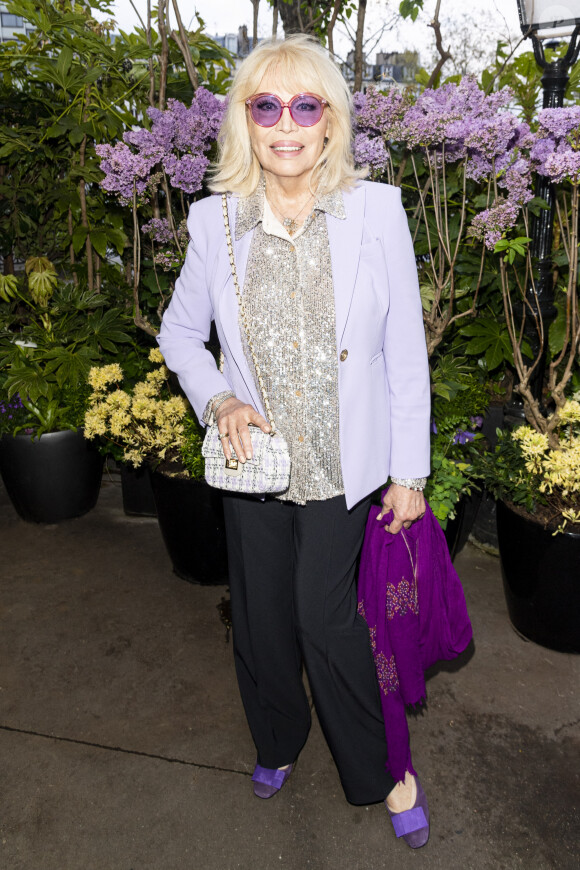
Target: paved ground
[124,746]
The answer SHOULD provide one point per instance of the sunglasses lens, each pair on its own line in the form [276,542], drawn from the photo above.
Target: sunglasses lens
[266,110]
[306,110]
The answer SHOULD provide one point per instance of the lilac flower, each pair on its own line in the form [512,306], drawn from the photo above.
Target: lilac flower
[178,141]
[560,122]
[186,173]
[563,165]
[124,170]
[381,113]
[556,152]
[447,115]
[371,152]
[492,223]
[159,230]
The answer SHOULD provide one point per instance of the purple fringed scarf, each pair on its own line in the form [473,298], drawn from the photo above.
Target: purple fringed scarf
[413,623]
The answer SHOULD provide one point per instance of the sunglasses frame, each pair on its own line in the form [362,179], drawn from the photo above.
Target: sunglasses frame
[251,100]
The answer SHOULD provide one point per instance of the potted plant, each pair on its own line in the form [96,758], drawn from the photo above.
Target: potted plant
[51,332]
[534,472]
[154,427]
[461,395]
[537,484]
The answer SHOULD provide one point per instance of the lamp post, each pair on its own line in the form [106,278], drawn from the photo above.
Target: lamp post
[541,20]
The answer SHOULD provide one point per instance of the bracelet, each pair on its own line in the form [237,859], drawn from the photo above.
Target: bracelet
[213,404]
[417,484]
[221,399]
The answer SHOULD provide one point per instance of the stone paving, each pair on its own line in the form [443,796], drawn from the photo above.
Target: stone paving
[124,745]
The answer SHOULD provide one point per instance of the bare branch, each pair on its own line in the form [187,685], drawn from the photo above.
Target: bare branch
[164,59]
[444,55]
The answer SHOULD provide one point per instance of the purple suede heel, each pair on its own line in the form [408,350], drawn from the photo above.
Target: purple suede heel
[267,781]
[413,825]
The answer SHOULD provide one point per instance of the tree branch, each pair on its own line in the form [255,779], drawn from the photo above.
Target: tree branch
[182,43]
[444,55]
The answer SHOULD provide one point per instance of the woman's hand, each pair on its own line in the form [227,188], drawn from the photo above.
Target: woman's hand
[233,418]
[407,506]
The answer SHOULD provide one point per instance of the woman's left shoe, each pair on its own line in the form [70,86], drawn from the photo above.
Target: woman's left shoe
[267,781]
[413,825]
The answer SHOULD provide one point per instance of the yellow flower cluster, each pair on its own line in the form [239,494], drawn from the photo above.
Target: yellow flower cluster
[570,413]
[101,376]
[558,468]
[142,422]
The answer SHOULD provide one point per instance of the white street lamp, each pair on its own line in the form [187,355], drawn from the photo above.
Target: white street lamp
[548,20]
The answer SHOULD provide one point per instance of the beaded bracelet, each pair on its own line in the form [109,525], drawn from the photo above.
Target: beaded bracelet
[417,484]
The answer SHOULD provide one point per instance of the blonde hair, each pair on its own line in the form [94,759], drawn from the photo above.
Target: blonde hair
[303,65]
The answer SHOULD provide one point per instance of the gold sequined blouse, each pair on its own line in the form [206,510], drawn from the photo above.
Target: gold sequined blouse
[289,300]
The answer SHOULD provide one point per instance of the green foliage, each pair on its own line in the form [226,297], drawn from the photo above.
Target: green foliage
[461,397]
[48,343]
[410,8]
[449,480]
[504,475]
[190,450]
[512,247]
[66,87]
[488,337]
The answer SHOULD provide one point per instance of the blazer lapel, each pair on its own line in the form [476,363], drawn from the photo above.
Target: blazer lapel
[345,238]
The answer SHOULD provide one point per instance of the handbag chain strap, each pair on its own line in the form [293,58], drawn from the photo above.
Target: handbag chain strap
[267,407]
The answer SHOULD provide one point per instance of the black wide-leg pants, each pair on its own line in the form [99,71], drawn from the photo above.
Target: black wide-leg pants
[293,596]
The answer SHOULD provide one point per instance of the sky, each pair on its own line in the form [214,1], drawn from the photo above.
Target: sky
[225,16]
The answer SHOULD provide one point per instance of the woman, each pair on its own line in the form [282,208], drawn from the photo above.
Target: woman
[331,297]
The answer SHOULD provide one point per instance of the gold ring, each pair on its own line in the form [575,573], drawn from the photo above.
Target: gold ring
[223,435]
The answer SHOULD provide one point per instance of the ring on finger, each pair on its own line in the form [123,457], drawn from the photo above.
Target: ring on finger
[224,434]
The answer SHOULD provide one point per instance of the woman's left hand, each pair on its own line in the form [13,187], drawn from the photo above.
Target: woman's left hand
[407,506]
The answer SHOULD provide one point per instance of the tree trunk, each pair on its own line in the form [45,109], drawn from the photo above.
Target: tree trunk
[256,5]
[358,46]
[275,20]
[330,29]
[291,17]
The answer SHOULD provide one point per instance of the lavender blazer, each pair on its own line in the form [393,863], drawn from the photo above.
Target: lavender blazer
[383,376]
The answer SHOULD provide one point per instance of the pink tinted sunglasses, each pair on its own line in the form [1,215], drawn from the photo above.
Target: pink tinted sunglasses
[306,109]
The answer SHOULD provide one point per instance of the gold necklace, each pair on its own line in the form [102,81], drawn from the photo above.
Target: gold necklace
[291,224]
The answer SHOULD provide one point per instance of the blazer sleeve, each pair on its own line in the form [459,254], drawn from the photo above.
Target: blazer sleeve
[405,350]
[186,323]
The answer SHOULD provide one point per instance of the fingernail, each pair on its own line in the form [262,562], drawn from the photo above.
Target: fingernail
[248,455]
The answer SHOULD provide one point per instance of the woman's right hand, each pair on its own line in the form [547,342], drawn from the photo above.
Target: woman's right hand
[233,418]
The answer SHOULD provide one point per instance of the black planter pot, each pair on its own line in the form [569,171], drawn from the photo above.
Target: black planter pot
[190,515]
[459,528]
[137,491]
[541,576]
[51,478]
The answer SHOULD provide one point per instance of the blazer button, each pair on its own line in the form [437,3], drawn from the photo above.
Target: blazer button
[343,355]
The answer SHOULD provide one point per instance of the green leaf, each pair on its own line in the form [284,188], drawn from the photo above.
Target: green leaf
[64,61]
[79,237]
[26,381]
[99,242]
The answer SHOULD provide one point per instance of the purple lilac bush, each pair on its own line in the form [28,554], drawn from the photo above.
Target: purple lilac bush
[456,123]
[158,170]
[177,145]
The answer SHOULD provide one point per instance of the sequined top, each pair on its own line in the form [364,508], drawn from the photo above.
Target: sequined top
[289,301]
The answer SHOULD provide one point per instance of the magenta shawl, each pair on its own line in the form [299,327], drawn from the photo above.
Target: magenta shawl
[412,600]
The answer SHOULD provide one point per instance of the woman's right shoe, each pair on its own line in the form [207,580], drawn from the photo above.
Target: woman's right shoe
[267,781]
[413,825]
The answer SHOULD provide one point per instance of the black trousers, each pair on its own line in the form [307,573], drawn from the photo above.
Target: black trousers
[293,596]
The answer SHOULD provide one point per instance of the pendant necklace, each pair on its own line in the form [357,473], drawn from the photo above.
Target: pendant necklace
[291,224]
